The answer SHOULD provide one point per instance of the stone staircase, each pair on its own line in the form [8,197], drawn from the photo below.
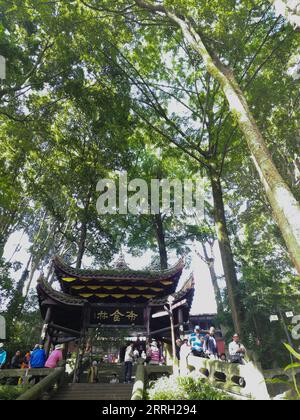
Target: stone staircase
[95,392]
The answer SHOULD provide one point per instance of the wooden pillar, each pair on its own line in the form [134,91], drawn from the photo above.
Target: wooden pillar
[65,351]
[76,369]
[47,320]
[45,336]
[148,320]
[86,314]
[47,345]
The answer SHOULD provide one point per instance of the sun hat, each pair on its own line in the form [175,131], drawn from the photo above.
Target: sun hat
[59,347]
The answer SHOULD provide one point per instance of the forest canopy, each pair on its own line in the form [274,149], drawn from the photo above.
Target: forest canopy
[162,90]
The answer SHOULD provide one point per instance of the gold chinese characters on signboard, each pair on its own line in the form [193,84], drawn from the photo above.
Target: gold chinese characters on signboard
[117,316]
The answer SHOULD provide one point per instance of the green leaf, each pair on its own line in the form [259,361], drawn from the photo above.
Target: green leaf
[292,351]
[292,366]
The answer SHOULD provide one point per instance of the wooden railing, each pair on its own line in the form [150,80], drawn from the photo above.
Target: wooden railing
[142,377]
[49,379]
[53,380]
[245,381]
[25,375]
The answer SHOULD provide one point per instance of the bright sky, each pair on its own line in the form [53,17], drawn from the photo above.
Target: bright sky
[204,301]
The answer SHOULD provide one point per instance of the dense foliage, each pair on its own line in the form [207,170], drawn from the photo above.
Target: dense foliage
[11,393]
[98,87]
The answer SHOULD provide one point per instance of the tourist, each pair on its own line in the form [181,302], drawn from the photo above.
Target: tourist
[155,353]
[210,344]
[197,342]
[3,356]
[161,351]
[144,355]
[185,349]
[93,373]
[223,358]
[26,361]
[139,345]
[38,357]
[129,357]
[55,357]
[178,347]
[115,379]
[237,351]
[16,361]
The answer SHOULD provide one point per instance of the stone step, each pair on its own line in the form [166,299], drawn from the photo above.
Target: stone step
[84,398]
[92,397]
[95,392]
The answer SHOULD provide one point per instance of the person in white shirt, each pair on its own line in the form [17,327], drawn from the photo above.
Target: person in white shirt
[115,379]
[237,351]
[129,358]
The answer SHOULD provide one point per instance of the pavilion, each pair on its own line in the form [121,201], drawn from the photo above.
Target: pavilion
[112,298]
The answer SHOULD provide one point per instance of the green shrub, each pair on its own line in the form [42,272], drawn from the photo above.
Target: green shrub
[9,392]
[176,388]
[294,393]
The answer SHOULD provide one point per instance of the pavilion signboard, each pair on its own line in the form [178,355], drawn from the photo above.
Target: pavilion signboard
[118,316]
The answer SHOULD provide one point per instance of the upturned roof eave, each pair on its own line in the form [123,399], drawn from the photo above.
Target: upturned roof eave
[63,270]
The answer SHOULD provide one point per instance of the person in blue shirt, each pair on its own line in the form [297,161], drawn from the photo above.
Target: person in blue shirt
[197,342]
[38,357]
[3,355]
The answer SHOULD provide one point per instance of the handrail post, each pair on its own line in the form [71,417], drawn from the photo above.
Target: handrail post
[37,390]
[139,385]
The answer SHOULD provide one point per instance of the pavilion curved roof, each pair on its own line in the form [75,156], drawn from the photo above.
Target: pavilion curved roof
[46,292]
[120,285]
[186,292]
[115,274]
[183,300]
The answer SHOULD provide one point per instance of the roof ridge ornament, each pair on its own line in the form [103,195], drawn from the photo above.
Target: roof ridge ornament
[121,264]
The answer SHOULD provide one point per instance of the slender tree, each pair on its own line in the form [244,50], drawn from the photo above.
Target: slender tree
[286,208]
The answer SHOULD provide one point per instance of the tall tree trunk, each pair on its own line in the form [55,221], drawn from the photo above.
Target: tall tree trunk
[8,223]
[289,9]
[84,229]
[4,236]
[15,306]
[161,241]
[59,249]
[210,261]
[2,245]
[285,207]
[33,268]
[81,244]
[226,253]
